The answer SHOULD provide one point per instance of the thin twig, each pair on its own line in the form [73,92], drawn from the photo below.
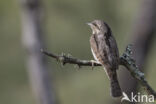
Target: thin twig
[71,60]
[125,60]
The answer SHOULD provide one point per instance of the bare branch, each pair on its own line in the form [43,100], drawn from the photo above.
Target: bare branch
[125,60]
[71,60]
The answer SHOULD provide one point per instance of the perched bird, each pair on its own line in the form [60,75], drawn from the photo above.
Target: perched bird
[105,51]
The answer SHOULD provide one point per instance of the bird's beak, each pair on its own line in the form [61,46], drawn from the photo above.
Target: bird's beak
[89,24]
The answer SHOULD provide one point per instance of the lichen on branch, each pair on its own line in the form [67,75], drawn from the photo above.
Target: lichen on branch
[125,60]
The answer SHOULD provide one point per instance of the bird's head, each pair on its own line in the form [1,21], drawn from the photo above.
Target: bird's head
[98,26]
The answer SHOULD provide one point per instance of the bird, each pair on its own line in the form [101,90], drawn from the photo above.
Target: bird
[105,51]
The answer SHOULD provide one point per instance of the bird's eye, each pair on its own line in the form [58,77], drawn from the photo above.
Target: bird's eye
[95,24]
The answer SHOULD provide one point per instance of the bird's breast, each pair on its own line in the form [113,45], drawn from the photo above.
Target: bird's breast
[94,55]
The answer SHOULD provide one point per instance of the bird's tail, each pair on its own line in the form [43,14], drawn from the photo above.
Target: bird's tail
[114,84]
[115,88]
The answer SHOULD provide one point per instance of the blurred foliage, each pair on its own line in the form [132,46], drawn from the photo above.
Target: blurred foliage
[65,31]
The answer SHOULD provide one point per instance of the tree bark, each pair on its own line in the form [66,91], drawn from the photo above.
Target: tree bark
[32,39]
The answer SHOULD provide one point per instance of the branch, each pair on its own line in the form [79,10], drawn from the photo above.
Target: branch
[125,60]
[71,60]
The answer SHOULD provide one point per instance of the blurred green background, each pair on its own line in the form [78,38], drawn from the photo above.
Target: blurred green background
[65,31]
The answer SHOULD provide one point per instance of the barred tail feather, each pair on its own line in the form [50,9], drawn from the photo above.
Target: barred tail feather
[115,88]
[114,84]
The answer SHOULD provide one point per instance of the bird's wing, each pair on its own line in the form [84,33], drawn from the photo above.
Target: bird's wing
[104,50]
[108,50]
[99,49]
[114,52]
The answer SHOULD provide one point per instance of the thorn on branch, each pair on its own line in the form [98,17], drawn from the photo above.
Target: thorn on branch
[125,60]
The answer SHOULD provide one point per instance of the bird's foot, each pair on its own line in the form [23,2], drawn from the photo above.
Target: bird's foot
[93,62]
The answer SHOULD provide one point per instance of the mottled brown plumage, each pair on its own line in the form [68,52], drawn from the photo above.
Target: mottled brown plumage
[105,51]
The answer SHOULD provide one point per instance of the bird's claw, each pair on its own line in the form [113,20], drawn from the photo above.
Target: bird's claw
[93,61]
